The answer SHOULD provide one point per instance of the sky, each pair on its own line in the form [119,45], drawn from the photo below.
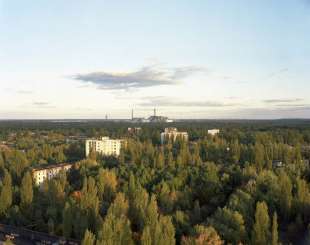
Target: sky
[202,59]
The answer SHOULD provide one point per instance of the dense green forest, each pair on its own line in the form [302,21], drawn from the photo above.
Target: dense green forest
[223,189]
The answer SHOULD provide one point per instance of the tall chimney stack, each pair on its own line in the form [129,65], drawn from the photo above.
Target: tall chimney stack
[154,112]
[132,114]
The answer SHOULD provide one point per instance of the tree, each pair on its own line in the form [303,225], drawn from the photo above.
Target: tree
[116,226]
[203,236]
[161,232]
[26,191]
[89,238]
[229,224]
[285,195]
[1,162]
[115,231]
[107,184]
[235,151]
[119,207]
[138,201]
[261,233]
[196,217]
[151,214]
[160,161]
[170,160]
[6,193]
[259,156]
[243,203]
[146,238]
[67,220]
[274,231]
[89,204]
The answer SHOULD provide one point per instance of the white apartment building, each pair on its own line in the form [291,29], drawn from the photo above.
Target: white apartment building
[105,146]
[213,132]
[173,133]
[46,173]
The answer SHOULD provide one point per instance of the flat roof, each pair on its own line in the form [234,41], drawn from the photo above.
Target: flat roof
[57,165]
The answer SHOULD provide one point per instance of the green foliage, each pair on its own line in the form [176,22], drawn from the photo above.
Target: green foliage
[68,221]
[26,191]
[203,236]
[274,230]
[89,238]
[229,224]
[161,193]
[160,232]
[261,228]
[285,195]
[6,193]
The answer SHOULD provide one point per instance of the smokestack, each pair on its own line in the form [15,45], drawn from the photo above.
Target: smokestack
[154,112]
[132,114]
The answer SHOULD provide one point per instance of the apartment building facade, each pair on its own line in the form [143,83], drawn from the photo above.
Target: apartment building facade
[104,146]
[173,134]
[46,173]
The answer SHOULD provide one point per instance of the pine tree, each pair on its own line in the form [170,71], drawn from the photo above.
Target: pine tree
[259,156]
[146,238]
[138,201]
[122,157]
[285,195]
[274,231]
[170,161]
[203,236]
[107,184]
[67,220]
[164,232]
[196,212]
[26,191]
[261,234]
[235,151]
[151,214]
[89,238]
[160,160]
[229,224]
[6,193]
[119,207]
[1,162]
[115,231]
[116,226]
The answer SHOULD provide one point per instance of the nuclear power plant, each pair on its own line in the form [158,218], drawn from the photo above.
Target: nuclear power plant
[152,119]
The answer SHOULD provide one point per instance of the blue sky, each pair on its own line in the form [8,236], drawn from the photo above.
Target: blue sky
[189,59]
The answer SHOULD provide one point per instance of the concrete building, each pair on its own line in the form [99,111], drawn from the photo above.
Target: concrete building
[151,119]
[173,133]
[105,146]
[213,132]
[46,173]
[134,130]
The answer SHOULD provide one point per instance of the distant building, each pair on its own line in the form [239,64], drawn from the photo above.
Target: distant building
[277,164]
[151,119]
[159,119]
[134,130]
[104,146]
[139,120]
[173,133]
[48,172]
[213,131]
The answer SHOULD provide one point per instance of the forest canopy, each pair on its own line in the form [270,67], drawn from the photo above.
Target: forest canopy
[247,185]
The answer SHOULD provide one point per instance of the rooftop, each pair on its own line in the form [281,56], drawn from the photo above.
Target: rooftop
[51,166]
